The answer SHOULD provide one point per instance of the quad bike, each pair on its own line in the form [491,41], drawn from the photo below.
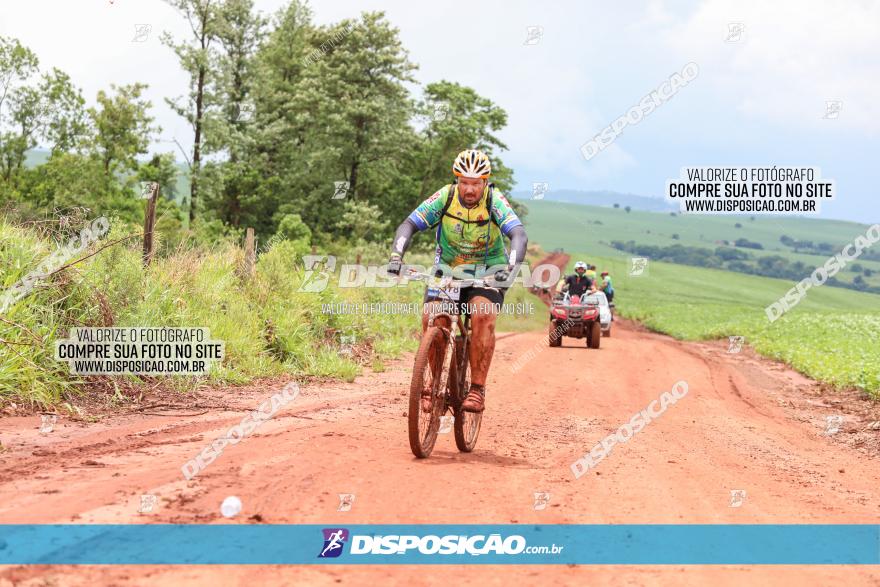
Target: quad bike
[570,316]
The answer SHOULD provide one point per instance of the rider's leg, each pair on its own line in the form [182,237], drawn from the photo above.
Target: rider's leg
[442,321]
[483,315]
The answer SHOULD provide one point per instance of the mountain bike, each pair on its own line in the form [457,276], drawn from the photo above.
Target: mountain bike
[442,367]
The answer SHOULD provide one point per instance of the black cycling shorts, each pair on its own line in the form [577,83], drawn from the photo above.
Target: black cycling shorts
[494,295]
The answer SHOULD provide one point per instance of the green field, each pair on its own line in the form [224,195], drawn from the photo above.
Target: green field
[831,336]
[591,229]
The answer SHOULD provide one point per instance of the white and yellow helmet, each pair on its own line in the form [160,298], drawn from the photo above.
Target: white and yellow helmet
[472,163]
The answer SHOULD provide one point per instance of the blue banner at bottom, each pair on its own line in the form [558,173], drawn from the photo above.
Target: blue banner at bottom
[640,544]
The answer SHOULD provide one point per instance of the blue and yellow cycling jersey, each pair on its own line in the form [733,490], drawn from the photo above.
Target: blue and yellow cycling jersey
[467,235]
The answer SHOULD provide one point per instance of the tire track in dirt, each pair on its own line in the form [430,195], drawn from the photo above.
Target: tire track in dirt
[745,424]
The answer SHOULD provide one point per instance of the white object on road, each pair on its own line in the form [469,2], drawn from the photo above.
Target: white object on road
[598,298]
[230,507]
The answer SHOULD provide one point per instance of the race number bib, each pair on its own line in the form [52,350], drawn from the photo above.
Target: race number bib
[445,293]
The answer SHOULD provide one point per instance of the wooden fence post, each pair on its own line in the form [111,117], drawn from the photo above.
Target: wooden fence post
[250,253]
[150,225]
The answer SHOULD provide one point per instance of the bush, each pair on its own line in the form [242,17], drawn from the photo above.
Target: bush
[291,227]
[747,244]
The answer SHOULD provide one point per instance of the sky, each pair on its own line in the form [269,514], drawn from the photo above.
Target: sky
[760,98]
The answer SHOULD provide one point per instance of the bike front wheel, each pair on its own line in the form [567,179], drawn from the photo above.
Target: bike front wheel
[467,424]
[429,374]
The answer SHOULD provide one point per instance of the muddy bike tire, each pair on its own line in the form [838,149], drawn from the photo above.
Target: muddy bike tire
[467,424]
[423,427]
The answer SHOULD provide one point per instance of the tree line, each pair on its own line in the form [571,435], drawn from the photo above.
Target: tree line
[731,259]
[285,115]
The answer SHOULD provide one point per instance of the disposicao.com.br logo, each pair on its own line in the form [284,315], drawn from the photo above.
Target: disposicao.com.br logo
[431,544]
[334,540]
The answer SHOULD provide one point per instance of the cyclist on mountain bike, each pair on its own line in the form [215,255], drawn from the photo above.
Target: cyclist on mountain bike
[470,217]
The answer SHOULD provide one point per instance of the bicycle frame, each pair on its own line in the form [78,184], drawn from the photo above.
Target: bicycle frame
[458,326]
[456,321]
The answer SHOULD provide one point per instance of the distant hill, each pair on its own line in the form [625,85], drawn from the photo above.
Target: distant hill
[598,198]
[591,230]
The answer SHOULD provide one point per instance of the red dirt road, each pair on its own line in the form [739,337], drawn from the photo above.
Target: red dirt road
[745,424]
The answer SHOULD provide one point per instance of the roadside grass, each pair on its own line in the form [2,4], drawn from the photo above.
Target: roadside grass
[525,311]
[268,326]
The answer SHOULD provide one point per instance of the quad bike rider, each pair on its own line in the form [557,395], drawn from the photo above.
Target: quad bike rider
[570,315]
[471,218]
[579,283]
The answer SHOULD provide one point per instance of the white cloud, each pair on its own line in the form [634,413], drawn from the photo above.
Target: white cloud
[793,56]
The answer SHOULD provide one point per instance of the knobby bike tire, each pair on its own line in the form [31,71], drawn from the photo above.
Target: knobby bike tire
[433,344]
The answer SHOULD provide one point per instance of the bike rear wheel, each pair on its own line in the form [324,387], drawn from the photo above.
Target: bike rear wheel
[467,424]
[429,372]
